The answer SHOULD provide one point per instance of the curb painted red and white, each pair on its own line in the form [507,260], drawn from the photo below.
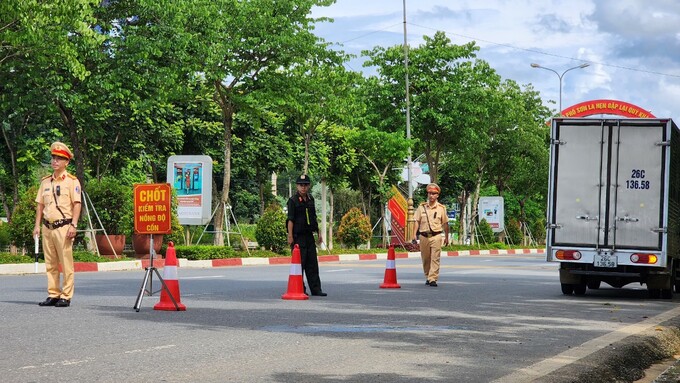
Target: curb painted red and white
[29,268]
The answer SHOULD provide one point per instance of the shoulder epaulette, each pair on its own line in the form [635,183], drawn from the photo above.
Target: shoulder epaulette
[71,176]
[46,177]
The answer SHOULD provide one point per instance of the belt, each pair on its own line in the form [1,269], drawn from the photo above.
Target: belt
[56,224]
[430,234]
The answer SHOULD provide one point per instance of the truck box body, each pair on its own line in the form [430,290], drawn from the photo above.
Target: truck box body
[614,203]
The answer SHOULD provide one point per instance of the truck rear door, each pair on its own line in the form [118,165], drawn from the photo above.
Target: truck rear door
[607,184]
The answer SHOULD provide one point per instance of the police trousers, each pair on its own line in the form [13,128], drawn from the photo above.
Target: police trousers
[58,251]
[309,260]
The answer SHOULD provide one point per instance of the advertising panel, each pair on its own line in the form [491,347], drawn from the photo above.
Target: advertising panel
[191,177]
[491,209]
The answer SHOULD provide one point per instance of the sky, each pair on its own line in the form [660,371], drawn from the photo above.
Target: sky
[632,46]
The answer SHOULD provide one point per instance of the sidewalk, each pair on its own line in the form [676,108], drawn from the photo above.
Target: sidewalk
[141,264]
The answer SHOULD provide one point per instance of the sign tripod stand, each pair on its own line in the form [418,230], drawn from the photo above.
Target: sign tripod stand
[91,231]
[152,216]
[147,284]
[227,226]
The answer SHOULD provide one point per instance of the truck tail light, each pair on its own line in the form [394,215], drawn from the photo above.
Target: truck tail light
[644,258]
[568,255]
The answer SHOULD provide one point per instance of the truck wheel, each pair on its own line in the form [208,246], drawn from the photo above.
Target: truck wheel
[593,284]
[654,293]
[580,289]
[567,289]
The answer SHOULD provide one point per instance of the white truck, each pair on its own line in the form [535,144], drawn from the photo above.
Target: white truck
[614,204]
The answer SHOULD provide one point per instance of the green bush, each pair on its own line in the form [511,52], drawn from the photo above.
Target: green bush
[113,204]
[86,256]
[194,253]
[177,235]
[538,230]
[248,230]
[4,235]
[6,258]
[514,232]
[271,232]
[78,256]
[355,228]
[23,220]
[487,233]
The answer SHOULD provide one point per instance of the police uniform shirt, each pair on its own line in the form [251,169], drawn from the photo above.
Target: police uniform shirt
[431,218]
[302,213]
[58,196]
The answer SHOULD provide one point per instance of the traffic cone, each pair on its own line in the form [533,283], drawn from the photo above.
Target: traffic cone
[295,284]
[170,278]
[390,281]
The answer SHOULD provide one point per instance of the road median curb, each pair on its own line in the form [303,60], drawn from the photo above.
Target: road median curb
[29,268]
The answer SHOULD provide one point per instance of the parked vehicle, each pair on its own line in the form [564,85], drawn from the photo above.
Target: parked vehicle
[614,203]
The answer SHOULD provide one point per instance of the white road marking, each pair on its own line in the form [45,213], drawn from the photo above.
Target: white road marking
[75,362]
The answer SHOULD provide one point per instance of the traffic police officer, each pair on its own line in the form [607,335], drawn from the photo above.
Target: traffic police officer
[301,224]
[58,210]
[431,219]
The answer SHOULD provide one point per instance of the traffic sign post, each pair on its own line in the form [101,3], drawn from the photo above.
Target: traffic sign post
[153,215]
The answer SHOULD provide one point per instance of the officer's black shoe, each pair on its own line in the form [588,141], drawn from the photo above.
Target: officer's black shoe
[433,284]
[63,303]
[319,294]
[49,302]
[427,283]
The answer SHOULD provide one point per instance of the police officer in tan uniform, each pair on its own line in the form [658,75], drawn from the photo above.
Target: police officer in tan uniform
[58,210]
[431,219]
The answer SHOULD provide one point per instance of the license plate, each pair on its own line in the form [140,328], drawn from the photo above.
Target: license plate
[605,261]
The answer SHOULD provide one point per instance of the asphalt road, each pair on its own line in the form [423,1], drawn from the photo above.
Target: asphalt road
[497,318]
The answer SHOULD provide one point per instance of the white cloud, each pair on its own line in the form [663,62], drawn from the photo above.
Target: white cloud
[633,45]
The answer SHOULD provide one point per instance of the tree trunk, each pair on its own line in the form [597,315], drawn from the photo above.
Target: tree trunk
[11,143]
[70,125]
[324,214]
[261,195]
[308,139]
[227,109]
[329,239]
[475,201]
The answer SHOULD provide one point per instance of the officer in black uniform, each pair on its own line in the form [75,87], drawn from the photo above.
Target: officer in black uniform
[301,224]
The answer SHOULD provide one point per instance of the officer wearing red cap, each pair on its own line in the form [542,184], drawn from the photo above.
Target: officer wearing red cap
[431,220]
[301,224]
[58,210]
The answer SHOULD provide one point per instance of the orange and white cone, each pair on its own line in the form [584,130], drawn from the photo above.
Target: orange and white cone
[170,277]
[295,284]
[390,281]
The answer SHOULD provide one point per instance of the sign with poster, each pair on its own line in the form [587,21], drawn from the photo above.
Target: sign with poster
[153,214]
[491,209]
[191,177]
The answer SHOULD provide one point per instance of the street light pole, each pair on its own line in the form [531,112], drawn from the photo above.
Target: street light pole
[560,76]
[408,230]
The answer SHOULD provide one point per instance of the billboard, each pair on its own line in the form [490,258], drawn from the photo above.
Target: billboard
[191,177]
[491,209]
